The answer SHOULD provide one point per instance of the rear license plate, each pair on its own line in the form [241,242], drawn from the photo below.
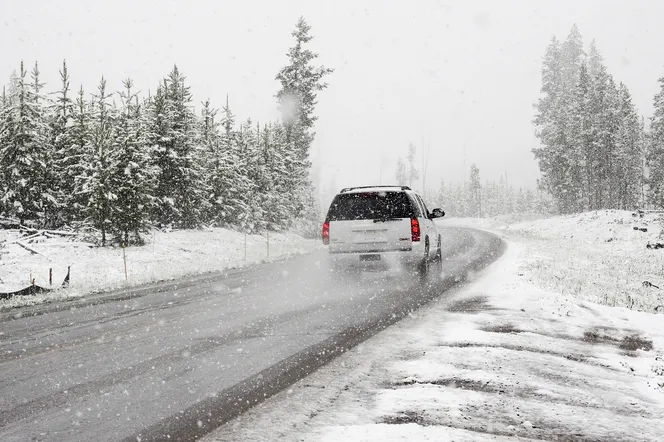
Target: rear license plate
[369,257]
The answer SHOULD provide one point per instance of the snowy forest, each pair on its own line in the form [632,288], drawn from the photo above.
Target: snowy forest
[473,198]
[117,162]
[596,151]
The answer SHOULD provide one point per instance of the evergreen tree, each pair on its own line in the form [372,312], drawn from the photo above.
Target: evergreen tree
[628,172]
[133,177]
[300,83]
[66,156]
[582,158]
[591,142]
[251,220]
[413,173]
[24,152]
[550,124]
[475,195]
[172,134]
[572,58]
[656,149]
[230,184]
[73,162]
[401,174]
[442,196]
[101,163]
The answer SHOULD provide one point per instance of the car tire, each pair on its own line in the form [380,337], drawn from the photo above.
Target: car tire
[423,266]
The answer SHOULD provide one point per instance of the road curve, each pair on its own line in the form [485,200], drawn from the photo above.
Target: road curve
[174,361]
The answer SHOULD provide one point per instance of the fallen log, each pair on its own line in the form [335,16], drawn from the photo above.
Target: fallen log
[69,244]
[30,249]
[61,233]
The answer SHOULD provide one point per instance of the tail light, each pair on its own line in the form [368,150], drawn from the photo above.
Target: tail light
[326,232]
[415,229]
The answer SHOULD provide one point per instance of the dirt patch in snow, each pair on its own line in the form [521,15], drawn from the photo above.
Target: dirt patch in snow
[635,342]
[569,356]
[629,343]
[502,328]
[475,304]
[407,417]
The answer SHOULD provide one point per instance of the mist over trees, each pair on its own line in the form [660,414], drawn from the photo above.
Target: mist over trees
[593,142]
[121,163]
[477,199]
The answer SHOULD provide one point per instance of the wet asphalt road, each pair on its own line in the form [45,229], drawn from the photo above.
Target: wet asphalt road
[174,361]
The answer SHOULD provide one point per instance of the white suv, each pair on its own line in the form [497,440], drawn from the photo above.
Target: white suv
[381,227]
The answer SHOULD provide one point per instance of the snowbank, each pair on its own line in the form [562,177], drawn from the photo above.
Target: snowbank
[167,255]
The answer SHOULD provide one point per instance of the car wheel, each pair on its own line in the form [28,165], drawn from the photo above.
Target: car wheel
[423,267]
[438,260]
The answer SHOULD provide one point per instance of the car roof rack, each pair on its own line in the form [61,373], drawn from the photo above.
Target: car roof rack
[348,189]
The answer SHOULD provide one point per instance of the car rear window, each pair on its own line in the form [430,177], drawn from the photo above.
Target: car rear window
[370,205]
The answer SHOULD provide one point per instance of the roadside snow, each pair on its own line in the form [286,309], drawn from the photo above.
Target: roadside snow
[594,256]
[167,255]
[503,359]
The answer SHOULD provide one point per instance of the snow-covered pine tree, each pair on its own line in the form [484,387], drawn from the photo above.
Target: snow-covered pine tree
[229,185]
[461,198]
[66,156]
[275,202]
[450,202]
[283,158]
[604,104]
[73,163]
[413,173]
[97,184]
[550,123]
[558,158]
[582,156]
[475,192]
[520,204]
[572,58]
[628,172]
[49,178]
[250,165]
[180,188]
[490,202]
[209,141]
[401,173]
[133,177]
[656,149]
[24,152]
[300,83]
[442,196]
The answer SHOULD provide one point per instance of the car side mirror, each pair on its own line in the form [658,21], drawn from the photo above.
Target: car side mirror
[437,213]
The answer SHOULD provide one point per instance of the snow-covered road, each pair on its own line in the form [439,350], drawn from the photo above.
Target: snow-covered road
[179,361]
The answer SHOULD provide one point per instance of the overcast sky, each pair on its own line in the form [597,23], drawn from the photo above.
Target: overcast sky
[462,75]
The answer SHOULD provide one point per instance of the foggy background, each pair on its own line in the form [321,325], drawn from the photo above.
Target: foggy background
[459,77]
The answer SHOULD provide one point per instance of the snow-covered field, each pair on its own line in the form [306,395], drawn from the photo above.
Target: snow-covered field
[167,255]
[515,355]
[595,256]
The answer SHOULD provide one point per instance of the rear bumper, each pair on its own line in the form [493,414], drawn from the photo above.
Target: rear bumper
[379,260]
